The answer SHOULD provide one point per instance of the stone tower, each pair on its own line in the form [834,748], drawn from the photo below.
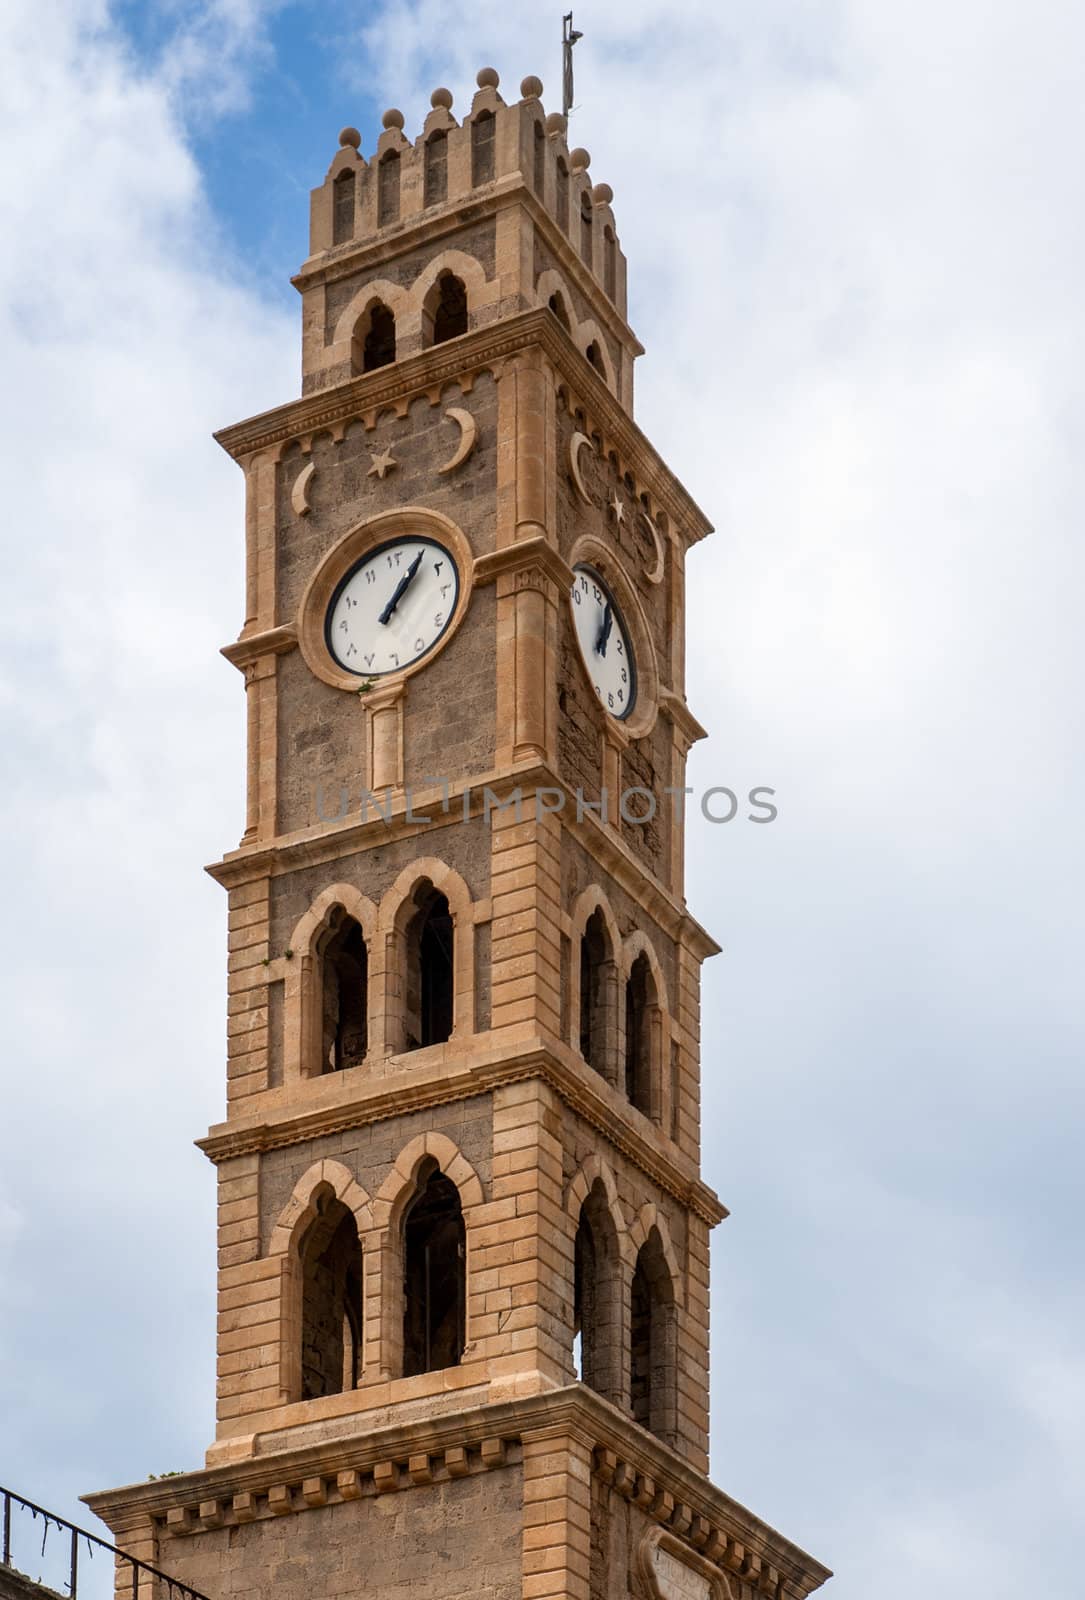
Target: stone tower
[463,1237]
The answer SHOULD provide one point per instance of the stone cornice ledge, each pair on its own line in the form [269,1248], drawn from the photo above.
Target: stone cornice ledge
[636,1465]
[495,1064]
[488,347]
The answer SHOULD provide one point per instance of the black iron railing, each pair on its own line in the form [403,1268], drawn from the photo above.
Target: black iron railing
[78,1537]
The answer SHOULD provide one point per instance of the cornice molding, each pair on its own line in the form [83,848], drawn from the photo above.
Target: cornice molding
[397,1459]
[485,348]
[269,642]
[491,1066]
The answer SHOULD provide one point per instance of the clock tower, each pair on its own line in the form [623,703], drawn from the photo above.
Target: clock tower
[463,1236]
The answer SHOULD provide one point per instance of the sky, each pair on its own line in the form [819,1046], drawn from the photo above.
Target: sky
[856,246]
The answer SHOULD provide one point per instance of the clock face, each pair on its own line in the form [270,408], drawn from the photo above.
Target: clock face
[604,642]
[392,607]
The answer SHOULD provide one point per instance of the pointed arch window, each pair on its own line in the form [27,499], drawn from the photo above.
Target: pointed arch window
[344,981]
[595,356]
[436,173]
[597,1298]
[388,188]
[434,1275]
[374,342]
[343,191]
[482,148]
[539,164]
[610,262]
[642,1023]
[653,1354]
[450,312]
[596,1001]
[430,986]
[586,227]
[557,306]
[330,1265]
[563,195]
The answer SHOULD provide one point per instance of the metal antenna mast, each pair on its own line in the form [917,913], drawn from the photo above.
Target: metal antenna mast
[569,36]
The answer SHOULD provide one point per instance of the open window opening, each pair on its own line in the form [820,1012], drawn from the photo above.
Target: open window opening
[344,963]
[563,195]
[436,170]
[653,1342]
[596,972]
[450,311]
[595,356]
[539,172]
[641,1026]
[374,341]
[557,306]
[430,990]
[343,207]
[388,188]
[434,1275]
[330,1259]
[610,262]
[597,1297]
[586,227]
[482,148]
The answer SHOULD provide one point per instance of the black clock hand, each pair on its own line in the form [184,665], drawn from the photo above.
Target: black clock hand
[604,632]
[401,589]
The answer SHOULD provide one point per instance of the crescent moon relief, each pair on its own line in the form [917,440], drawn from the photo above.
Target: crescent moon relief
[656,574]
[299,494]
[468,438]
[576,445]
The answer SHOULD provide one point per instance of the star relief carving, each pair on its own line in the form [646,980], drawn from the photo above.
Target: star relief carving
[383,463]
[617,509]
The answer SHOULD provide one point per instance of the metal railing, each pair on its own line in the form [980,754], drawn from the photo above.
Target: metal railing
[80,1536]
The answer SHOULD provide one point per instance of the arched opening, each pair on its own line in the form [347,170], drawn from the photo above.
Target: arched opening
[450,311]
[653,1342]
[610,262]
[330,1262]
[388,188]
[596,982]
[482,148]
[597,1297]
[344,978]
[374,342]
[539,173]
[595,356]
[430,990]
[436,173]
[343,207]
[557,306]
[562,194]
[434,1275]
[586,227]
[641,1026]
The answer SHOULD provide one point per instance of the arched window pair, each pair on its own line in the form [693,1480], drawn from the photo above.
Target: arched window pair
[444,317]
[599,1320]
[434,1256]
[342,980]
[600,994]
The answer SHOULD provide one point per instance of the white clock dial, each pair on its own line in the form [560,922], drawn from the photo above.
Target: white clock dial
[392,607]
[604,642]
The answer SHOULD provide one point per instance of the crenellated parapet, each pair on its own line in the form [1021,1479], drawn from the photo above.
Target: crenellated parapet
[472,221]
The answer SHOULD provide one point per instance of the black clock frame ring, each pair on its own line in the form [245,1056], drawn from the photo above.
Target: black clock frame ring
[362,561]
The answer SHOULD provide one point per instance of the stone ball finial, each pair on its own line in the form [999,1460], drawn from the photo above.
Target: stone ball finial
[393,118]
[556,123]
[441,99]
[579,160]
[351,137]
[488,78]
[602,194]
[531,89]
